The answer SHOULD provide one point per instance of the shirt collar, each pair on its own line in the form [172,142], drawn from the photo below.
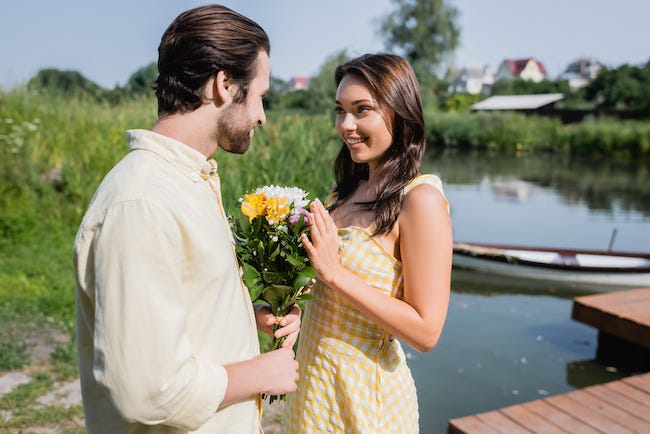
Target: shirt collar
[188,160]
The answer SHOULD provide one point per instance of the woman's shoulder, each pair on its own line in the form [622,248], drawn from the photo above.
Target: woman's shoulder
[428,179]
[426,194]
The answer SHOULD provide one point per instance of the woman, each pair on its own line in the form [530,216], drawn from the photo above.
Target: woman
[383,261]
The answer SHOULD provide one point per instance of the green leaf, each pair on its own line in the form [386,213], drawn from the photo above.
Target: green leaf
[273,277]
[277,296]
[295,260]
[305,297]
[304,277]
[275,252]
[253,281]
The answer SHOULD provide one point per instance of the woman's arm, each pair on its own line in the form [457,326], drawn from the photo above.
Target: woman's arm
[426,251]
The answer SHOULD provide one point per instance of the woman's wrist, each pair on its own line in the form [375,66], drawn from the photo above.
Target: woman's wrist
[333,277]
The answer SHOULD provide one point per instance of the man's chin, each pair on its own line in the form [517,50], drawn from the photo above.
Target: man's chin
[238,149]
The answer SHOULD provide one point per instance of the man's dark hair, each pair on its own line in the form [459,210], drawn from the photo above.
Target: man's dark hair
[197,45]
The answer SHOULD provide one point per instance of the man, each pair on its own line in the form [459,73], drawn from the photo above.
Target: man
[166,331]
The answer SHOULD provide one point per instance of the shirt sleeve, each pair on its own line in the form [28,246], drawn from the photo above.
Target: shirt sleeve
[142,354]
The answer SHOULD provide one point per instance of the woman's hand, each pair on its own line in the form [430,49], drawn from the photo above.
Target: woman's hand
[289,325]
[323,249]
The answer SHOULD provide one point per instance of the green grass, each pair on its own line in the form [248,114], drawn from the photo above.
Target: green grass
[27,413]
[13,355]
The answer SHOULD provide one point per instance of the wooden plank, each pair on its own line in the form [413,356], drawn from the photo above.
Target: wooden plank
[531,420]
[587,415]
[602,407]
[618,407]
[502,423]
[559,418]
[620,400]
[630,392]
[641,382]
[624,314]
[469,425]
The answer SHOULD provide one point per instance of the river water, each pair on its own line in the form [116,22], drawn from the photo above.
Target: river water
[507,344]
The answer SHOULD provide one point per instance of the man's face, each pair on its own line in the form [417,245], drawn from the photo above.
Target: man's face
[240,119]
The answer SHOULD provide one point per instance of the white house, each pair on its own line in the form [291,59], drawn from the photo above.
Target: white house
[581,71]
[299,83]
[472,80]
[525,69]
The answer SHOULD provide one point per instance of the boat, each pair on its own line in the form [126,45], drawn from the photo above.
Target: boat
[598,270]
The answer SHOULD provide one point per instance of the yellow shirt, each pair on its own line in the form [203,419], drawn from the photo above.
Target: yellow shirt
[160,303]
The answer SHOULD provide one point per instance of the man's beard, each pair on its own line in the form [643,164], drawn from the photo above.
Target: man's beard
[234,136]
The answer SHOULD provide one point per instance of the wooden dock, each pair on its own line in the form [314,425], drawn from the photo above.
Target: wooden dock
[618,407]
[623,314]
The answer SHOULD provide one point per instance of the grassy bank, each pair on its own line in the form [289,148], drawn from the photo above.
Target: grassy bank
[595,137]
[54,151]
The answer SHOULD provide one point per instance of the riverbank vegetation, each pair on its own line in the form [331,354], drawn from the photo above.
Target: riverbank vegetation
[55,150]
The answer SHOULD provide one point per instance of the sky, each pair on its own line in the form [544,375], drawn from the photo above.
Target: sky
[109,40]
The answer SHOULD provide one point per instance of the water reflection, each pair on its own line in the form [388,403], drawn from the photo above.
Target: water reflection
[505,341]
[585,373]
[545,201]
[601,185]
[485,284]
[495,351]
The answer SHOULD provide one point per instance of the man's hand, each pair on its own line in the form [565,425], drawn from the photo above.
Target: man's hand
[280,371]
[289,324]
[272,373]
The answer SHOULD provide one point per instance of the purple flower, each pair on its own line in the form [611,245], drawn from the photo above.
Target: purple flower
[296,216]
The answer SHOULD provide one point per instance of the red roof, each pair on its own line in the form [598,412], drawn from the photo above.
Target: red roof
[517,65]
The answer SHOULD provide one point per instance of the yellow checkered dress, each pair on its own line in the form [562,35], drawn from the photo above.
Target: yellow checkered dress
[353,375]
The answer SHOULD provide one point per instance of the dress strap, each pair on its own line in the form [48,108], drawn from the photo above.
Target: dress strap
[330,199]
[428,179]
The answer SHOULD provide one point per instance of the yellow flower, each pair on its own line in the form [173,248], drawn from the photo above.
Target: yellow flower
[253,205]
[277,209]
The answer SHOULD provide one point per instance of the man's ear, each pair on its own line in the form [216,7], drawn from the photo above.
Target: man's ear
[222,88]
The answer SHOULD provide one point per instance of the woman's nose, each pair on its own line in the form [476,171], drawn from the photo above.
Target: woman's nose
[348,122]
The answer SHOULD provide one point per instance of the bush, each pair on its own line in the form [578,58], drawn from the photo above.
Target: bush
[515,132]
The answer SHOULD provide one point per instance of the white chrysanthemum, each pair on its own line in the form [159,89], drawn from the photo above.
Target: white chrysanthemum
[296,197]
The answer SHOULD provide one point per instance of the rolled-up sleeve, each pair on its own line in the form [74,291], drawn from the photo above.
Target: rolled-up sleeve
[142,354]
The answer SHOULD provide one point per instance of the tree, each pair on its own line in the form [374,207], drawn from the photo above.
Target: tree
[141,81]
[67,82]
[623,87]
[425,31]
[322,88]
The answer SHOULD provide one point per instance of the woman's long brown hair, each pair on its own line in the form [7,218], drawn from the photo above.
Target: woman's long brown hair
[393,83]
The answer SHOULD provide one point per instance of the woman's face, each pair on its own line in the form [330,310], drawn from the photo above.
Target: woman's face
[361,122]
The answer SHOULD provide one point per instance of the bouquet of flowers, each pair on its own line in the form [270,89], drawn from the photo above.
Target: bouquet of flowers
[274,261]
